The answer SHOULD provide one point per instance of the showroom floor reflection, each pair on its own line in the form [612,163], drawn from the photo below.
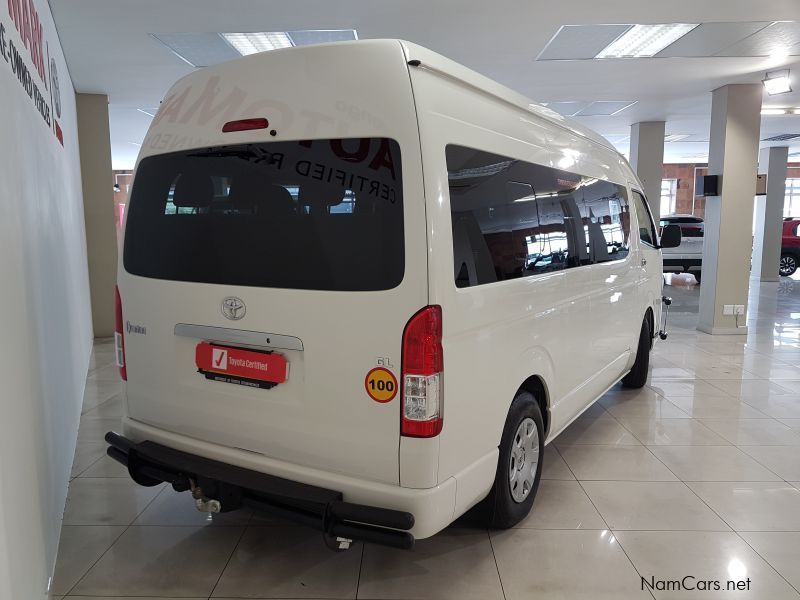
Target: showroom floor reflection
[695,476]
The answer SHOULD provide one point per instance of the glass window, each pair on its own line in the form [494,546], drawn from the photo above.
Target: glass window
[690,226]
[606,218]
[647,231]
[791,204]
[321,215]
[669,193]
[514,219]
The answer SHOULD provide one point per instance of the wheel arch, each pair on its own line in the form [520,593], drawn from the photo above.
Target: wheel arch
[536,386]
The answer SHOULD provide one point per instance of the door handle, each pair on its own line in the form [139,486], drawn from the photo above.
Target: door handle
[644,262]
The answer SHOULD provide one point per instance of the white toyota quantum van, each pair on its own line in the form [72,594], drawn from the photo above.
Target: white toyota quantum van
[362,286]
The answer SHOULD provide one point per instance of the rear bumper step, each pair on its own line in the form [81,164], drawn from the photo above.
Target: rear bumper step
[234,487]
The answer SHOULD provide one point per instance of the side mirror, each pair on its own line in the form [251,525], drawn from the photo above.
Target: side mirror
[671,236]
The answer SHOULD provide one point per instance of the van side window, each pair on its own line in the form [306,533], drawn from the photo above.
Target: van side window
[607,218]
[647,231]
[513,218]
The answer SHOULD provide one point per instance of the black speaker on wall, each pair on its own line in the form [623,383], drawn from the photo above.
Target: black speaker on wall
[706,185]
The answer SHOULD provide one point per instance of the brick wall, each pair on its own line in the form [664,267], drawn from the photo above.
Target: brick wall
[685,200]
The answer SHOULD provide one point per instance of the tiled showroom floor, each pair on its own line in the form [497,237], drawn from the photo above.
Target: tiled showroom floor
[697,474]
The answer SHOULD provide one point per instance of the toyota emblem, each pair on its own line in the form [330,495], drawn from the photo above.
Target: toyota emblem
[233,308]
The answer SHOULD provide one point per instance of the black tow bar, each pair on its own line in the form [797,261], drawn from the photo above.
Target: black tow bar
[233,487]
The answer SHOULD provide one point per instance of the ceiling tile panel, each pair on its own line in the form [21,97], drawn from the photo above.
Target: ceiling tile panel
[574,42]
[198,49]
[778,38]
[711,38]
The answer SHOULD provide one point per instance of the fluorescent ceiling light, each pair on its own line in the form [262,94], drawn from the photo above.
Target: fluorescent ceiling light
[777,82]
[144,112]
[675,137]
[645,40]
[251,43]
[775,111]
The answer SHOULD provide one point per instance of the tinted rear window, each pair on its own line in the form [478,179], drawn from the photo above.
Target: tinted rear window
[321,215]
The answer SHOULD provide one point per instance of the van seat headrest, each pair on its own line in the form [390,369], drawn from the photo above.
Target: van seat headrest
[321,195]
[193,190]
[276,202]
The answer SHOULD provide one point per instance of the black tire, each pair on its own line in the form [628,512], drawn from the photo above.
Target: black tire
[788,264]
[638,375]
[504,510]
[697,275]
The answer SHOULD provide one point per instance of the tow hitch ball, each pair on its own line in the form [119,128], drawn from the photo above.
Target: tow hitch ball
[203,504]
[667,302]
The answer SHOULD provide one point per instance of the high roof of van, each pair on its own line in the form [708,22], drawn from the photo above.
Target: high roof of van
[310,80]
[480,83]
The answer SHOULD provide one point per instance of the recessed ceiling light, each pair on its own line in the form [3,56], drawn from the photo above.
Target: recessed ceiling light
[645,40]
[251,43]
[675,137]
[777,82]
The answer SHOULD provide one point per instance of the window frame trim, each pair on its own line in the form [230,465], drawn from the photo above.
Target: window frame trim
[657,245]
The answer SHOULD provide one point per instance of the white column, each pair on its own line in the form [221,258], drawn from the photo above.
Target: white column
[647,159]
[733,155]
[769,214]
[98,208]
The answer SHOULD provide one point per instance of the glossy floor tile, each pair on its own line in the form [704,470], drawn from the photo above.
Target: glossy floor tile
[288,562]
[697,473]
[712,463]
[705,556]
[93,501]
[781,549]
[457,564]
[79,548]
[753,506]
[652,505]
[575,565]
[672,432]
[159,561]
[562,505]
[614,463]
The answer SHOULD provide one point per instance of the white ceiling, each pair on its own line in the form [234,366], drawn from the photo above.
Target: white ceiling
[109,50]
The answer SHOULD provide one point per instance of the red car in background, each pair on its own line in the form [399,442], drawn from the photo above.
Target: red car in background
[790,246]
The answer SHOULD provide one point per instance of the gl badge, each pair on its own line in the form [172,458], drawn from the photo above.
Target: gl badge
[233,308]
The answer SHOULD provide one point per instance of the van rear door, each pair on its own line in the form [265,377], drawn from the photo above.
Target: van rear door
[309,250]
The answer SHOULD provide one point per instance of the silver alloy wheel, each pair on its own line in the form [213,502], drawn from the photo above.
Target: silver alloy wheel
[788,265]
[524,460]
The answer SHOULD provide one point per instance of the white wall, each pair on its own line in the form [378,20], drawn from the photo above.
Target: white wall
[45,321]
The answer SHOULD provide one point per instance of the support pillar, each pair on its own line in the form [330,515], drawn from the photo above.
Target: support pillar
[769,214]
[647,159]
[733,154]
[98,208]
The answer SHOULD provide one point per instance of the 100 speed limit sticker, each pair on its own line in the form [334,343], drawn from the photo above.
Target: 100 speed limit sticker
[381,384]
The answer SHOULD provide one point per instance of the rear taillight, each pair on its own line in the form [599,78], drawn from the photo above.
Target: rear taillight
[423,374]
[119,336]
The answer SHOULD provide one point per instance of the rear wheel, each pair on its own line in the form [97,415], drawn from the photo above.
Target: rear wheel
[638,374]
[788,265]
[519,467]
